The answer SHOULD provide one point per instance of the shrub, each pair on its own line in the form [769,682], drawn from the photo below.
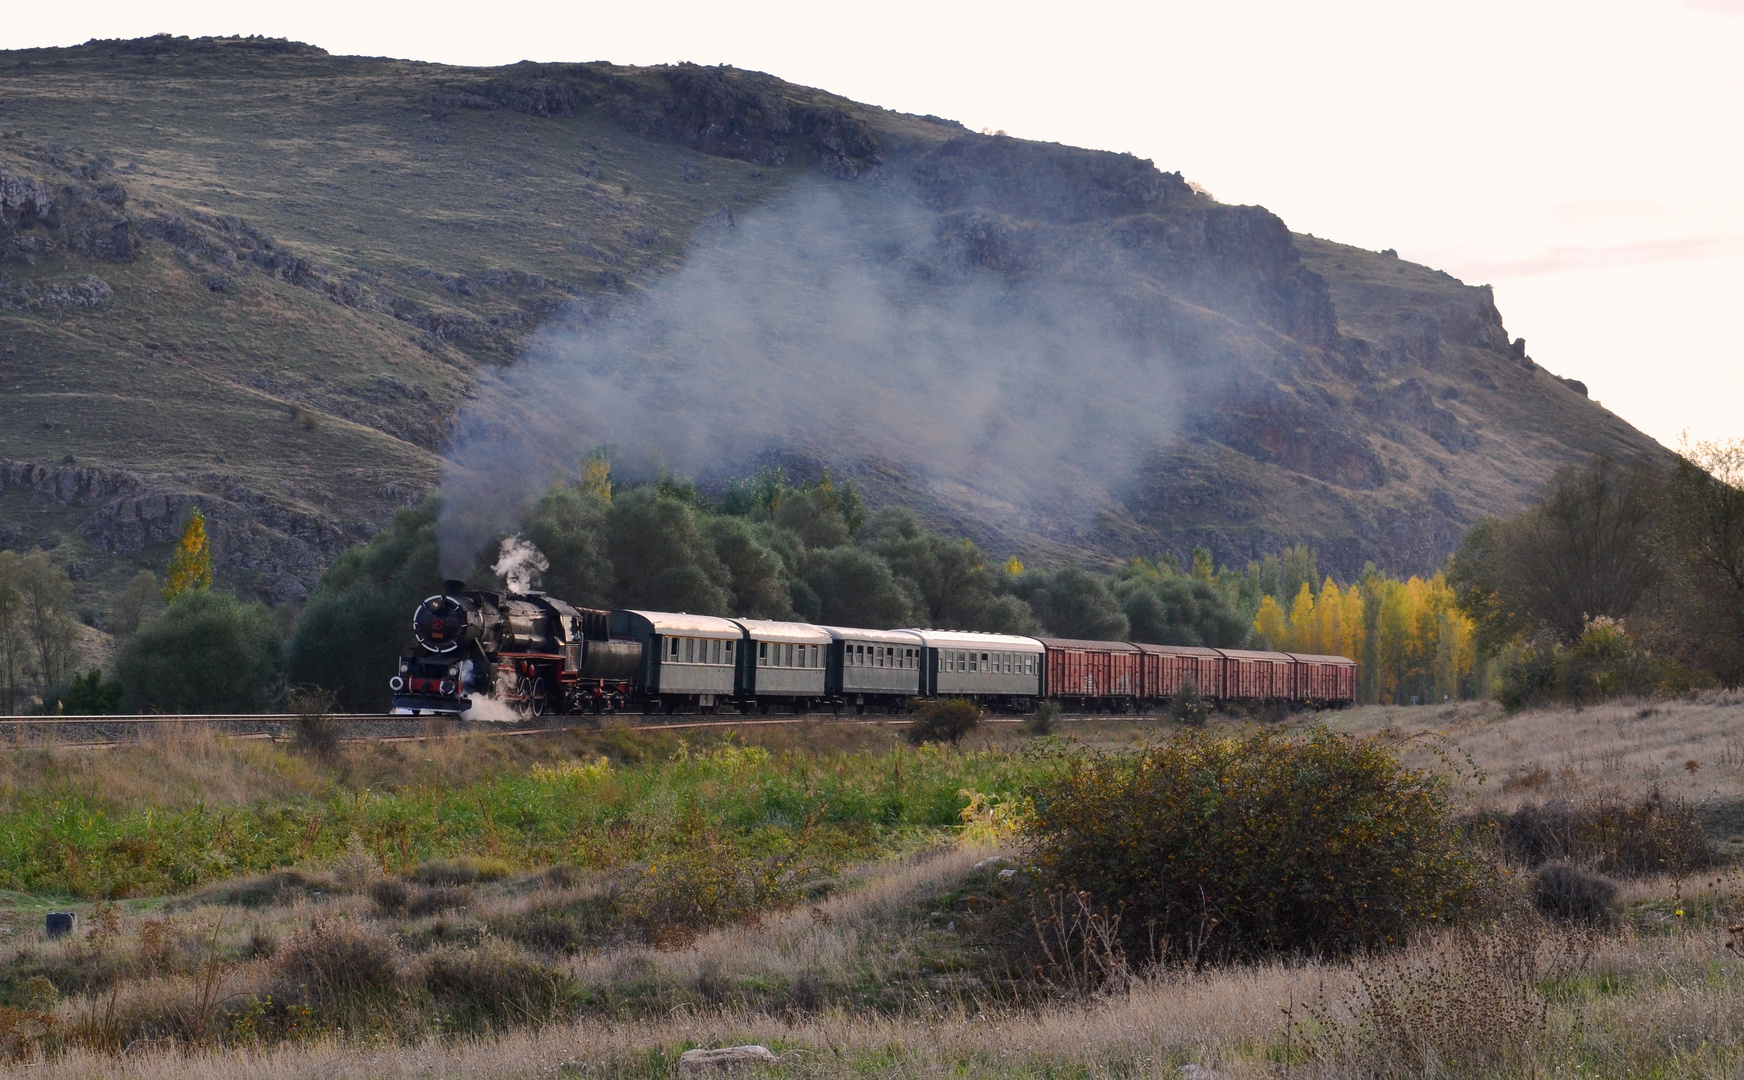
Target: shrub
[1254,844]
[208,652]
[1189,708]
[1045,718]
[391,895]
[89,694]
[356,869]
[1647,836]
[437,898]
[492,986]
[1605,662]
[1564,891]
[943,720]
[463,870]
[707,882]
[317,733]
[337,968]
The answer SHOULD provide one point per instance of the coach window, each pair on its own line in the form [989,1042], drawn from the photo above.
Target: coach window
[762,654]
[674,648]
[728,652]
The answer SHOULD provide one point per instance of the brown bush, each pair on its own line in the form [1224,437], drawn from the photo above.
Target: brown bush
[463,870]
[1648,836]
[493,985]
[437,898]
[1564,891]
[339,969]
[391,895]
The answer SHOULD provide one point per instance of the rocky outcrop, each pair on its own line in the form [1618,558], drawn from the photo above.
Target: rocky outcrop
[1010,203]
[284,547]
[1043,181]
[81,211]
[719,111]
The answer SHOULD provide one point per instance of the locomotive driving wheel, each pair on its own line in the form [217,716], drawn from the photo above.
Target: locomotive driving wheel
[524,695]
[537,704]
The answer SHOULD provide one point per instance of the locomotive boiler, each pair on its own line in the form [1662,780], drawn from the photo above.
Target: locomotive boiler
[524,653]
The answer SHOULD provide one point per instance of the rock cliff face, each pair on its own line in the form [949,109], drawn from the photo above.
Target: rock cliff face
[246,275]
[721,112]
[124,513]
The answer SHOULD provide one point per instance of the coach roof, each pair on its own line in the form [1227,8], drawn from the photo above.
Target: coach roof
[967,639]
[774,630]
[683,624]
[888,637]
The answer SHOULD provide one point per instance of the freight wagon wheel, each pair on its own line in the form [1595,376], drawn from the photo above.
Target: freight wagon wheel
[539,693]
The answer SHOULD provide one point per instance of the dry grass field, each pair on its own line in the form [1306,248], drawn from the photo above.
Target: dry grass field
[875,967]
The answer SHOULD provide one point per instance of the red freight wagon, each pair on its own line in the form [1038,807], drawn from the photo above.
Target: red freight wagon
[1168,669]
[1091,670]
[1258,675]
[1330,679]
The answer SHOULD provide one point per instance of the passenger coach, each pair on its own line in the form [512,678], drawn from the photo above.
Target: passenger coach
[996,669]
[877,668]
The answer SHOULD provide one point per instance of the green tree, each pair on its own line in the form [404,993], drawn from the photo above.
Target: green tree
[855,587]
[358,618]
[1164,607]
[1705,539]
[1587,548]
[137,605]
[14,642]
[208,653]
[661,558]
[46,596]
[568,525]
[1072,602]
[191,565]
[956,589]
[756,575]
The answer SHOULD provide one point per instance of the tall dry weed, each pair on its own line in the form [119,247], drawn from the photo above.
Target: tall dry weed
[1462,1002]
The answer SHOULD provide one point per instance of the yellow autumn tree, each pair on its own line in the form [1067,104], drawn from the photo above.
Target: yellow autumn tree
[1304,633]
[1423,646]
[596,475]
[191,565]
[1271,624]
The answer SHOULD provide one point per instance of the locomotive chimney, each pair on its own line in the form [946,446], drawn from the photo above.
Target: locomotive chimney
[452,587]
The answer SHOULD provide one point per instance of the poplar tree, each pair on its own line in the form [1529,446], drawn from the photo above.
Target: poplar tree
[190,567]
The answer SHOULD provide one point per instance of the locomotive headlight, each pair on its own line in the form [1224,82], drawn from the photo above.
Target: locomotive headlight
[448,686]
[396,683]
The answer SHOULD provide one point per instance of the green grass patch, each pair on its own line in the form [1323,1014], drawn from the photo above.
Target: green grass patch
[781,807]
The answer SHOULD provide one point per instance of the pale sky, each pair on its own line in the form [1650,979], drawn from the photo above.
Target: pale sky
[1586,159]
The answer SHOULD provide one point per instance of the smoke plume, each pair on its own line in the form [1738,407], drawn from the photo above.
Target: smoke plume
[849,325]
[520,564]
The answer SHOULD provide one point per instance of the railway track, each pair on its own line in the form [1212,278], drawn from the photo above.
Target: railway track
[101,732]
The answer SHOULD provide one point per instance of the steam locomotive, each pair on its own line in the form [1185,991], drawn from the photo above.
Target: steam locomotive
[504,655]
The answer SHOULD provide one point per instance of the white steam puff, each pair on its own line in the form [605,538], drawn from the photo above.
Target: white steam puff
[837,325]
[520,565]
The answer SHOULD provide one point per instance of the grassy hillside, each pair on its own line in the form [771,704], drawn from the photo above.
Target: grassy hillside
[249,276]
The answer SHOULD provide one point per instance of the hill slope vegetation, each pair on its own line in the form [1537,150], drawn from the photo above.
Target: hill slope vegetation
[246,275]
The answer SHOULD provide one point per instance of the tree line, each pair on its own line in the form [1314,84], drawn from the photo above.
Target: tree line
[1622,577]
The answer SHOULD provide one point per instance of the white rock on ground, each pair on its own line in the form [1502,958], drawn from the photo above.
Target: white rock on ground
[692,1062]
